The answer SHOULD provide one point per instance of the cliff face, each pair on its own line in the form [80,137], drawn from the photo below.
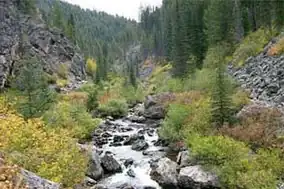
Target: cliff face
[22,35]
[263,75]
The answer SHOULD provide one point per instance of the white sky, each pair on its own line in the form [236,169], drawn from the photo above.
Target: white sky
[127,8]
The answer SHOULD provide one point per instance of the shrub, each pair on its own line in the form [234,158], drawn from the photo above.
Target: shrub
[240,98]
[133,95]
[92,102]
[217,150]
[61,83]
[91,67]
[236,166]
[73,117]
[49,153]
[62,71]
[199,120]
[114,108]
[172,128]
[259,126]
[277,48]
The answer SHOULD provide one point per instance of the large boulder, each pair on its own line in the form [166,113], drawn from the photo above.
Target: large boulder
[140,145]
[110,165]
[34,181]
[195,177]
[154,108]
[95,170]
[165,173]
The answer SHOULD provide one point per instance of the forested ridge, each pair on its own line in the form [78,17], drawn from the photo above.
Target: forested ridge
[93,31]
[182,30]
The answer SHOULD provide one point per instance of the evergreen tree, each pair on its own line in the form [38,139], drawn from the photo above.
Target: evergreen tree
[221,97]
[37,97]
[26,6]
[71,28]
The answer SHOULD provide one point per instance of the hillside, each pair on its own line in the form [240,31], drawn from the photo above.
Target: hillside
[93,29]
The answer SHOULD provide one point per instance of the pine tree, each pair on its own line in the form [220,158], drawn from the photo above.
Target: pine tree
[57,16]
[37,97]
[71,28]
[26,6]
[221,98]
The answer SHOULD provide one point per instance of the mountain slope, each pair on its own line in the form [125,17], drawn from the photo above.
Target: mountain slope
[23,36]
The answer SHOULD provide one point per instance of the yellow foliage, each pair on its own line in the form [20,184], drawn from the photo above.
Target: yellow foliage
[91,66]
[10,177]
[61,82]
[277,48]
[62,71]
[51,153]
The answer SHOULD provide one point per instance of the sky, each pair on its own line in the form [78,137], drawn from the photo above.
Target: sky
[126,8]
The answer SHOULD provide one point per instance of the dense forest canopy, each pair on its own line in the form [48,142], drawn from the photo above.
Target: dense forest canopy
[183,30]
[91,29]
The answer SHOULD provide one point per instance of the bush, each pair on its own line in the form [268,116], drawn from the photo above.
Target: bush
[277,48]
[62,71]
[61,83]
[133,95]
[91,67]
[173,125]
[216,150]
[259,126]
[50,154]
[236,166]
[114,108]
[92,102]
[240,98]
[73,117]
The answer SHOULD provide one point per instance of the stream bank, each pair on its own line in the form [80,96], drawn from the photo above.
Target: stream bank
[127,153]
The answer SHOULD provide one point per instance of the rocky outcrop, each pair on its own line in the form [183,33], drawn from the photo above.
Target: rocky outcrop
[195,177]
[34,181]
[22,35]
[263,75]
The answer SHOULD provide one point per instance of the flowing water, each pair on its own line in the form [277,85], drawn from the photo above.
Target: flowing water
[141,166]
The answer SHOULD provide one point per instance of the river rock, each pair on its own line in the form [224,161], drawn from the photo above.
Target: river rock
[130,140]
[106,135]
[128,162]
[95,170]
[110,165]
[139,145]
[137,119]
[131,173]
[164,172]
[195,177]
[89,181]
[34,181]
[183,159]
[118,138]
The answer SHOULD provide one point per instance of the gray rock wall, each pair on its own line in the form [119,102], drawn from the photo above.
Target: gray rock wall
[22,34]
